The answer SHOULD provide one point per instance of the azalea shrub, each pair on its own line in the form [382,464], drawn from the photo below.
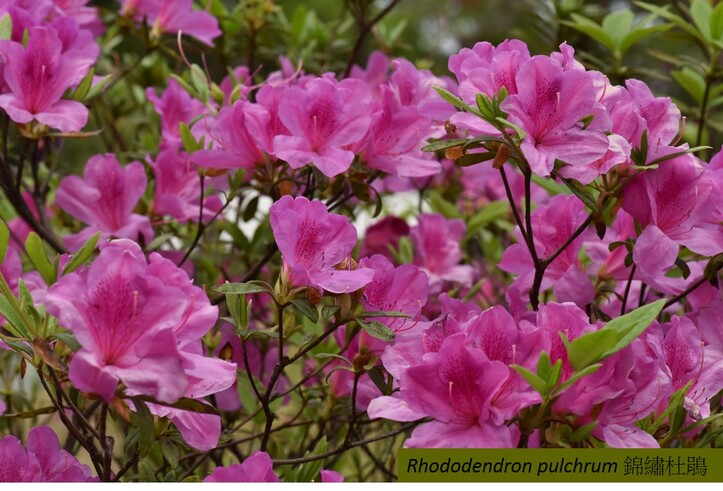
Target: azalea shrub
[288,270]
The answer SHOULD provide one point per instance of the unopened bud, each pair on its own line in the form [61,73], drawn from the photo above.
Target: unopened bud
[450,128]
[503,152]
[343,301]
[313,296]
[226,352]
[454,153]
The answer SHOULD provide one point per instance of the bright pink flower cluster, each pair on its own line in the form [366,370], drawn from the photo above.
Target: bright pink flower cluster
[59,52]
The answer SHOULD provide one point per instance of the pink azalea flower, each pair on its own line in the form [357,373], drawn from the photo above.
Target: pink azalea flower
[628,387]
[124,319]
[497,335]
[375,73]
[80,12]
[331,476]
[323,118]
[43,461]
[234,147]
[549,107]
[396,136]
[38,75]
[175,106]
[256,468]
[172,16]
[313,242]
[456,387]
[436,250]
[402,289]
[414,87]
[552,225]
[177,191]
[485,69]
[676,205]
[383,234]
[555,318]
[104,199]
[659,116]
[687,358]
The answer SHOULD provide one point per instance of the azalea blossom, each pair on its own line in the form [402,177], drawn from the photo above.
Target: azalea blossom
[256,468]
[104,199]
[41,461]
[322,122]
[37,75]
[313,242]
[549,107]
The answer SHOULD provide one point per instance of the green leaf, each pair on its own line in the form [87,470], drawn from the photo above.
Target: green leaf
[489,213]
[544,364]
[242,288]
[577,376]
[377,330]
[631,325]
[6,27]
[82,255]
[36,252]
[199,82]
[675,19]
[170,452]
[143,420]
[553,377]
[535,382]
[4,240]
[583,432]
[381,313]
[617,25]
[306,308]
[189,141]
[444,144]
[589,348]
[309,471]
[692,81]
[474,158]
[84,86]
[68,339]
[441,205]
[323,356]
[457,102]
[13,320]
[98,87]
[328,311]
[640,33]
[520,132]
[581,191]
[716,23]
[701,12]
[592,29]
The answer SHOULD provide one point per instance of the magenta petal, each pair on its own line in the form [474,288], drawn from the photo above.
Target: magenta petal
[15,109]
[331,476]
[200,431]
[90,375]
[341,281]
[654,252]
[159,370]
[64,115]
[440,435]
[617,436]
[256,468]
[13,460]
[392,408]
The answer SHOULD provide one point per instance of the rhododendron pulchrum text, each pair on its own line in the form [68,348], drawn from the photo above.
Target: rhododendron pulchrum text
[223,259]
